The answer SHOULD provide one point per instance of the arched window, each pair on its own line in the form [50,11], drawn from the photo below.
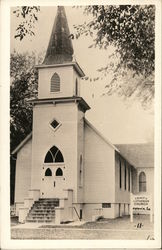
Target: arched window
[120,174]
[81,161]
[55,83]
[48,172]
[59,172]
[76,88]
[81,171]
[54,155]
[142,182]
[49,157]
[125,175]
[58,156]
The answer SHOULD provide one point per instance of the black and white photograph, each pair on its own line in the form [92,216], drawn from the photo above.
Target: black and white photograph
[82,141]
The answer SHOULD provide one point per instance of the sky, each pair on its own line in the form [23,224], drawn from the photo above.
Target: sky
[118,120]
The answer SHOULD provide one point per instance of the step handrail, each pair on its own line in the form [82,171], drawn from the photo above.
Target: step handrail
[77,213]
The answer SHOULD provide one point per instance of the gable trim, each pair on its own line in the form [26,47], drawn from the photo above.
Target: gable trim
[27,138]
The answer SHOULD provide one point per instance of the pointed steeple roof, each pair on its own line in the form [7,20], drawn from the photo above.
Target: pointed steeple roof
[60,48]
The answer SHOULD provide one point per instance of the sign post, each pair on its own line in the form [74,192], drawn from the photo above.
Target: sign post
[131,208]
[140,203]
[150,208]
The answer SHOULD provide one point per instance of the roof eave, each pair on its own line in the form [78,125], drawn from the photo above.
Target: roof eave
[125,158]
[74,64]
[27,138]
[54,101]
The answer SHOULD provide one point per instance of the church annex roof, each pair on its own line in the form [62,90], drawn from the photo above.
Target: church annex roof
[139,155]
[27,138]
[60,48]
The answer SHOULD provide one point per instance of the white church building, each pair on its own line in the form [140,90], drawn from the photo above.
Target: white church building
[65,169]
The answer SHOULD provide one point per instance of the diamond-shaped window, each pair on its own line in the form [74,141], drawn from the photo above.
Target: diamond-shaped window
[55,124]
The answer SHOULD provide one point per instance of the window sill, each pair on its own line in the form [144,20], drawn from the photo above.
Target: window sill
[53,163]
[58,92]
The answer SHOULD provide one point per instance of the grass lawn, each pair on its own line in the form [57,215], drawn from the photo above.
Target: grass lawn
[119,228]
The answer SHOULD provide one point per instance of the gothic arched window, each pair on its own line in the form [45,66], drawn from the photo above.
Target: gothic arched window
[54,155]
[142,182]
[48,172]
[120,174]
[59,172]
[55,83]
[81,171]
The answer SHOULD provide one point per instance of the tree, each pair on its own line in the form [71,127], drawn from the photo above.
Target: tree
[131,30]
[24,81]
[29,15]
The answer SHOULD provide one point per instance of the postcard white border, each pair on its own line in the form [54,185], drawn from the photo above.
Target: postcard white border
[6,242]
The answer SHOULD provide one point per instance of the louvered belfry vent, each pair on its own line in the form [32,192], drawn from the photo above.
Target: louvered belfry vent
[55,83]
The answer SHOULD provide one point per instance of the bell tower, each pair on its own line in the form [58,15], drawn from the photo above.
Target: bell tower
[58,118]
[59,75]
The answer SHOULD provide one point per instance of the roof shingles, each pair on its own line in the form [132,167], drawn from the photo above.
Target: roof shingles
[60,48]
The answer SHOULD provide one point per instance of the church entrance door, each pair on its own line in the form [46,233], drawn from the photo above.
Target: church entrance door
[53,181]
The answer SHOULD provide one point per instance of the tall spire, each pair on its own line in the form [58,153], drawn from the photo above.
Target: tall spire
[60,48]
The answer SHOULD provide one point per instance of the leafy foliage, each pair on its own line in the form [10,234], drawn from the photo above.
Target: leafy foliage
[131,30]
[24,81]
[29,14]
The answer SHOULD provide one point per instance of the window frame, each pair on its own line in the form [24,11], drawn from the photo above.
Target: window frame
[120,174]
[54,156]
[55,92]
[125,175]
[46,171]
[54,129]
[76,89]
[45,164]
[142,182]
[81,170]
[129,176]
[59,176]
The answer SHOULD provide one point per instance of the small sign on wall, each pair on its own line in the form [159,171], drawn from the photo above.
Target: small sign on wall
[140,204]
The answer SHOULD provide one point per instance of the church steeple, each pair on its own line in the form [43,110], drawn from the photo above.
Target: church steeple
[60,49]
[59,74]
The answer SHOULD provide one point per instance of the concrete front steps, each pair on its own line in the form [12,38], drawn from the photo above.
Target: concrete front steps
[43,210]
